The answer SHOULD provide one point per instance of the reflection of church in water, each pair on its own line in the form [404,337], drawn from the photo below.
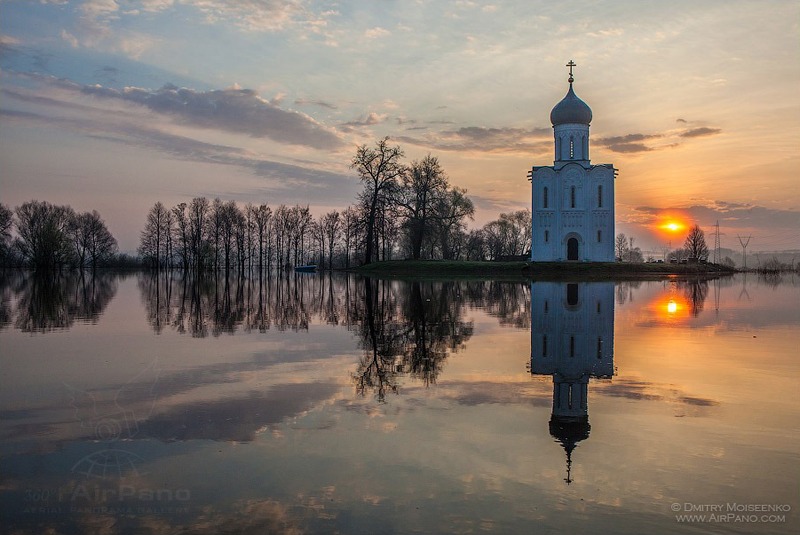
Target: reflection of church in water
[572,339]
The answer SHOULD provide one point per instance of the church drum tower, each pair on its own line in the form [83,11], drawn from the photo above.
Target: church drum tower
[572,201]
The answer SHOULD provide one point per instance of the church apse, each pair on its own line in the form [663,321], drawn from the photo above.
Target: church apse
[572,340]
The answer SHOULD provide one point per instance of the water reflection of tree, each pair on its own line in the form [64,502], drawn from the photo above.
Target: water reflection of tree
[509,302]
[625,291]
[46,302]
[213,305]
[407,329]
[696,292]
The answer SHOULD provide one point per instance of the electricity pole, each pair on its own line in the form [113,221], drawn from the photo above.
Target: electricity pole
[743,242]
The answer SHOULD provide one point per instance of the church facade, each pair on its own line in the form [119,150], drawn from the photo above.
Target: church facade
[572,203]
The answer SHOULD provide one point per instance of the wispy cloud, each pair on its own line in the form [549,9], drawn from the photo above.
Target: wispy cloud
[240,111]
[700,132]
[132,129]
[633,143]
[371,119]
[314,102]
[628,143]
[376,32]
[482,139]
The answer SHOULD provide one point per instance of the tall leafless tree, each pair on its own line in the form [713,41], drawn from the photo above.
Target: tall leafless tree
[379,169]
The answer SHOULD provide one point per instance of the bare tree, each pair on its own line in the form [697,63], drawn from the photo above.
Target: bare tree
[452,209]
[6,222]
[181,231]
[153,241]
[198,215]
[91,239]
[695,243]
[621,246]
[263,215]
[350,233]
[42,239]
[380,169]
[423,188]
[331,226]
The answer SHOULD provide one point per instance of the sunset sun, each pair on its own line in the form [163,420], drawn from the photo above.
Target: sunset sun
[670,225]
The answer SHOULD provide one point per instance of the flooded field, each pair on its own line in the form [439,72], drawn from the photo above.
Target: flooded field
[319,404]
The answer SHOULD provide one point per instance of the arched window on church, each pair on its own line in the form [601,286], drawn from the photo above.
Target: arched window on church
[571,147]
[599,236]
[544,197]
[571,346]
[599,348]
[599,196]
[546,236]
[572,197]
[544,345]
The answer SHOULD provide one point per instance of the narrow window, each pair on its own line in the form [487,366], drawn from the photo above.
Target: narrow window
[546,236]
[544,345]
[598,307]
[600,196]
[544,197]
[569,401]
[572,197]
[546,306]
[599,236]
[571,346]
[571,147]
[599,348]
[572,294]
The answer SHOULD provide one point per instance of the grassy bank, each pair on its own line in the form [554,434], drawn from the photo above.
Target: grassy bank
[556,271]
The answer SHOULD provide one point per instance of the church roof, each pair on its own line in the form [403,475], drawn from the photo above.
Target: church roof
[571,109]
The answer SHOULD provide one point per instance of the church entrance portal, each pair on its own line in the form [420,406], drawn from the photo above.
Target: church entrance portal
[572,249]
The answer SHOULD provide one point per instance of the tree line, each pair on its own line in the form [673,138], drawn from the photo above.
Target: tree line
[49,236]
[404,210]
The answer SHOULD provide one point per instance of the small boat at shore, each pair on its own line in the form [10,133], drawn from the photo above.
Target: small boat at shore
[306,269]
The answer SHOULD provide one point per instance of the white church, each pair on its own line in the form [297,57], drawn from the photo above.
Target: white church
[572,201]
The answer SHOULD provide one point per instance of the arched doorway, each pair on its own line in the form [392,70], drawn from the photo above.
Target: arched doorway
[572,249]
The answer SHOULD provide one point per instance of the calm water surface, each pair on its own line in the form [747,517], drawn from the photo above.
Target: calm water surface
[140,404]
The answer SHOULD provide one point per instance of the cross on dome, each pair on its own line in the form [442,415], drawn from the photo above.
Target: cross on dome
[570,65]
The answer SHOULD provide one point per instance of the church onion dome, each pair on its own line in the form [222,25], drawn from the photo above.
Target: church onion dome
[571,109]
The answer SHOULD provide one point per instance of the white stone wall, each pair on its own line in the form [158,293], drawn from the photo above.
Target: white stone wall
[579,203]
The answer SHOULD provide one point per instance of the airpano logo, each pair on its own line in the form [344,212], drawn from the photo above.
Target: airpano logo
[731,513]
[112,420]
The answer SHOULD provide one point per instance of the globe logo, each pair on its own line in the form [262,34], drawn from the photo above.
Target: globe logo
[113,420]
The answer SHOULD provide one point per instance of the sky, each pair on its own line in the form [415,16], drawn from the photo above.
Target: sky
[113,105]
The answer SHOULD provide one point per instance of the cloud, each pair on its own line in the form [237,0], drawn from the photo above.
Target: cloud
[482,139]
[70,39]
[376,32]
[371,119]
[298,181]
[634,143]
[313,102]
[700,132]
[627,144]
[240,111]
[236,419]
[253,15]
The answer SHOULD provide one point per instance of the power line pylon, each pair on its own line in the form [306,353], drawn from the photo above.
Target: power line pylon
[743,242]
